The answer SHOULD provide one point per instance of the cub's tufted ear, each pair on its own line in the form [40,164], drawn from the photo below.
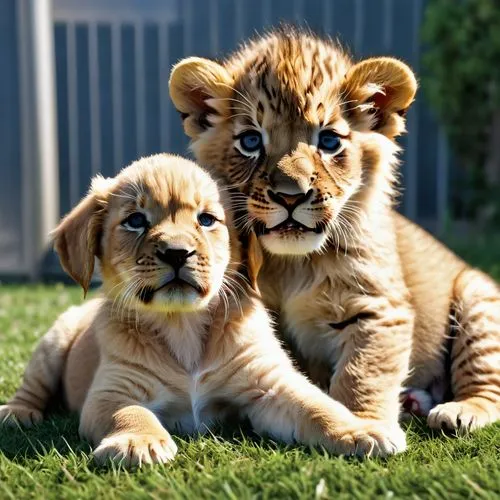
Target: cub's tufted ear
[378,92]
[77,238]
[199,89]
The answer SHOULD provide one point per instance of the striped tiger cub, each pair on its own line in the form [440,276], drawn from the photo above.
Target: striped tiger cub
[306,137]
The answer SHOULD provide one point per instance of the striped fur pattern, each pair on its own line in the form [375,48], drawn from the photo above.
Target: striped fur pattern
[163,350]
[362,294]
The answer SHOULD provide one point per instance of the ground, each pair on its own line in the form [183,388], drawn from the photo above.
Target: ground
[51,462]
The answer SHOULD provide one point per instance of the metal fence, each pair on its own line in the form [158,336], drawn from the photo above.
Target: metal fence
[111,67]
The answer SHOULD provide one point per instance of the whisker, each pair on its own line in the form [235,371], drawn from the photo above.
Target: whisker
[246,98]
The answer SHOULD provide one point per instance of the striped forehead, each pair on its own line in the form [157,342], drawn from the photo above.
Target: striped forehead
[293,83]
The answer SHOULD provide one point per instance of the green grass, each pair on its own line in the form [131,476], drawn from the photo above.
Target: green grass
[50,461]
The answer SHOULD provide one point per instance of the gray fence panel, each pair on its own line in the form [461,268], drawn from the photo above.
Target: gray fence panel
[11,199]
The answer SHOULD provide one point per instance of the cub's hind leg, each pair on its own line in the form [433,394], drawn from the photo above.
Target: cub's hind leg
[475,357]
[44,372]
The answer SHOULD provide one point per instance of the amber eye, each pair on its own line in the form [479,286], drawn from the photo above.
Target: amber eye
[206,220]
[329,141]
[136,221]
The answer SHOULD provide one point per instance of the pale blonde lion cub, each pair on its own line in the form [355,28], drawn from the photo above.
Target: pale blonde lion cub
[179,338]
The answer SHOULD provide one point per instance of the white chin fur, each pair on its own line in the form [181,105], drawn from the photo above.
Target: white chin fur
[293,245]
[175,301]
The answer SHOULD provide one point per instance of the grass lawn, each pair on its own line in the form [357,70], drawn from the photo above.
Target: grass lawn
[51,462]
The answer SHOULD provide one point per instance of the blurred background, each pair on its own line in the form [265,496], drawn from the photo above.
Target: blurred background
[84,89]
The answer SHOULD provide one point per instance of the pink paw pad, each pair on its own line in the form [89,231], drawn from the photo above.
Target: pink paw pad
[416,402]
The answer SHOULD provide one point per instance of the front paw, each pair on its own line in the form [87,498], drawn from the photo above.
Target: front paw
[460,416]
[133,450]
[13,414]
[371,438]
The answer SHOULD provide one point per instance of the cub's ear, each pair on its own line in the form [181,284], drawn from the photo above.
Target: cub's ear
[199,89]
[77,238]
[378,92]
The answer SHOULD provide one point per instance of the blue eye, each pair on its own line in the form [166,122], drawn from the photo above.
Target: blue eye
[250,141]
[137,220]
[329,141]
[206,219]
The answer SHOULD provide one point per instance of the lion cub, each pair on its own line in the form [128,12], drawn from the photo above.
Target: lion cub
[179,338]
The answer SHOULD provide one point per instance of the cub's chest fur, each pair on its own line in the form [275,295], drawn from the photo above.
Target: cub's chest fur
[193,405]
[313,318]
[318,321]
[187,394]
[319,306]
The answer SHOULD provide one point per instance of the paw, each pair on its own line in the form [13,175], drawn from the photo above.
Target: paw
[416,402]
[13,414]
[379,439]
[134,450]
[372,439]
[460,416]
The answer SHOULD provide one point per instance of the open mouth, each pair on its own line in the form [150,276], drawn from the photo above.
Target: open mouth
[147,293]
[290,225]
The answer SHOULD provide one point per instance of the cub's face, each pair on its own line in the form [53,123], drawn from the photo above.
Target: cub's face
[159,230]
[300,132]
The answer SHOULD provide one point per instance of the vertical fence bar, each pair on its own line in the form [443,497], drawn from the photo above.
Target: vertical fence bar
[266,14]
[214,26]
[164,75]
[72,114]
[358,26]
[298,11]
[388,24]
[187,14]
[95,122]
[239,22]
[46,115]
[411,182]
[29,223]
[140,88]
[328,6]
[39,150]
[116,79]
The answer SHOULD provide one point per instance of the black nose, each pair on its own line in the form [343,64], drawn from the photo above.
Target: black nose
[175,257]
[289,201]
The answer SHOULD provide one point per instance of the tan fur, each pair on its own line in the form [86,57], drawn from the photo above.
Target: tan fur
[135,364]
[363,292]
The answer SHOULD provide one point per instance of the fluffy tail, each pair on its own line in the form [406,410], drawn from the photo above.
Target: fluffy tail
[43,375]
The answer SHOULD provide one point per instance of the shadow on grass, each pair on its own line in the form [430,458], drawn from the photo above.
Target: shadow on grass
[58,432]
[419,427]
